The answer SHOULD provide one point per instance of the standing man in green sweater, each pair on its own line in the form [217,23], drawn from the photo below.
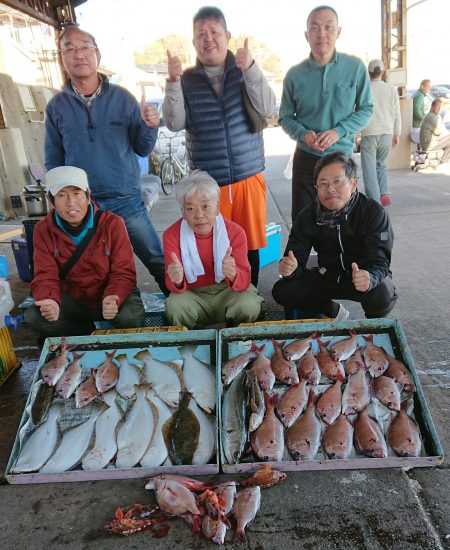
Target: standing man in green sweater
[326,100]
[421,103]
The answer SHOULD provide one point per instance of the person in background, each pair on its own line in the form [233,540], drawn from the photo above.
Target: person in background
[100,128]
[207,270]
[353,238]
[382,133]
[326,101]
[221,102]
[433,133]
[421,102]
[101,282]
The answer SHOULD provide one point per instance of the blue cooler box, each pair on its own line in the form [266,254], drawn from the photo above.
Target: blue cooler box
[20,249]
[272,252]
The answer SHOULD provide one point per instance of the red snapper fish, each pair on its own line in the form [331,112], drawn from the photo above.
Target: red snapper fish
[71,378]
[245,508]
[337,439]
[400,373]
[268,440]
[374,357]
[174,498]
[107,374]
[343,349]
[368,437]
[292,403]
[296,349]
[226,492]
[330,402]
[329,367]
[214,529]
[234,366]
[303,438]
[308,368]
[387,391]
[195,485]
[86,392]
[404,435]
[52,371]
[265,477]
[263,370]
[356,394]
[354,363]
[283,369]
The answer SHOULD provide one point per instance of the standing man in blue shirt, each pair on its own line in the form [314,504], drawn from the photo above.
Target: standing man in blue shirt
[326,100]
[100,127]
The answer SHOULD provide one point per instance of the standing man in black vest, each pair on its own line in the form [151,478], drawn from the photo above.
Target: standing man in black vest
[221,102]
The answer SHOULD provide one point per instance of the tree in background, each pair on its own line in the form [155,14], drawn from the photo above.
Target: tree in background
[261,54]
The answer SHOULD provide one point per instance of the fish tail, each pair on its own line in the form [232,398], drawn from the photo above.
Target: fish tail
[323,343]
[311,396]
[78,356]
[368,338]
[277,344]
[110,354]
[260,349]
[253,347]
[352,332]
[313,335]
[239,536]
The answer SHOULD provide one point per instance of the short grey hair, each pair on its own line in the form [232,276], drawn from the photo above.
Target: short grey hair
[200,182]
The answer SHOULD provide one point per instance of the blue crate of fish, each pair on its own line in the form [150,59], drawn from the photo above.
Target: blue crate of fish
[99,401]
[289,392]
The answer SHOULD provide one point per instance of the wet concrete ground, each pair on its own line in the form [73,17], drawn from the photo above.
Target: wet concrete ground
[359,509]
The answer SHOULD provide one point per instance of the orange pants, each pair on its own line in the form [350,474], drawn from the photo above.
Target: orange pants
[244,203]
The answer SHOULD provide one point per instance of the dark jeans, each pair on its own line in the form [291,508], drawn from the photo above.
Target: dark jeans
[76,319]
[312,293]
[303,190]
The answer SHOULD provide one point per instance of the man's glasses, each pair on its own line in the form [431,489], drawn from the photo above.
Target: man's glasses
[336,184]
[71,50]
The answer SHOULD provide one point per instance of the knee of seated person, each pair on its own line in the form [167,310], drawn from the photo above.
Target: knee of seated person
[382,301]
[279,292]
[246,308]
[181,310]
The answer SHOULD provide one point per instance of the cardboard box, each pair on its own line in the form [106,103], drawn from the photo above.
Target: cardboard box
[272,252]
[388,332]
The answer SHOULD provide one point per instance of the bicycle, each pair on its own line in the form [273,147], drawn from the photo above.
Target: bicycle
[172,168]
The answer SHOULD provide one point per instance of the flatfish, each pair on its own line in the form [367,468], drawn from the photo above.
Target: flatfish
[268,440]
[73,446]
[235,419]
[308,368]
[374,357]
[162,377]
[283,369]
[232,367]
[42,402]
[38,448]
[206,439]
[107,374]
[71,377]
[330,402]
[182,432]
[296,349]
[105,446]
[86,392]
[156,452]
[292,402]
[263,370]
[404,435]
[52,371]
[337,440]
[387,391]
[199,379]
[329,367]
[356,394]
[303,437]
[343,349]
[136,432]
[129,377]
[368,437]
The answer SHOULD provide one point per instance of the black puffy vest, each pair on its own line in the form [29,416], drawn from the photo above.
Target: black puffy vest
[218,137]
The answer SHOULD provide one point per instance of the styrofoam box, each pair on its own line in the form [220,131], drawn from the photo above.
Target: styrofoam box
[389,334]
[165,347]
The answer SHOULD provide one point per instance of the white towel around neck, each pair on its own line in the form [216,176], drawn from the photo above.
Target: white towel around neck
[190,257]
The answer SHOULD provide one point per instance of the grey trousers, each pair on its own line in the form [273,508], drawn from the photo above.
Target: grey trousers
[76,319]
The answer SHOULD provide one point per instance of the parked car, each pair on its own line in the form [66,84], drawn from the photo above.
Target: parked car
[440,91]
[272,120]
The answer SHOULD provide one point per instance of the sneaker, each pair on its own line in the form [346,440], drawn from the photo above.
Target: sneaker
[386,200]
[342,314]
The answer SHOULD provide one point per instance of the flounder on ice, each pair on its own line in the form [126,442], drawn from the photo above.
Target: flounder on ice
[164,378]
[182,432]
[199,379]
[156,452]
[129,377]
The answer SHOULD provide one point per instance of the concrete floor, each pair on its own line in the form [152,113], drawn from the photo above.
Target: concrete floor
[360,509]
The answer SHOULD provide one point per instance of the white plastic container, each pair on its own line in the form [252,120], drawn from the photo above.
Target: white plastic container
[6,301]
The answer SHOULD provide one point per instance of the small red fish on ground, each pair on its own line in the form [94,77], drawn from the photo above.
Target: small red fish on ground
[265,477]
[136,518]
[195,485]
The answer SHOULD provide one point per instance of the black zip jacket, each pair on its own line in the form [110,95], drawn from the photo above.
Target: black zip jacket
[364,236]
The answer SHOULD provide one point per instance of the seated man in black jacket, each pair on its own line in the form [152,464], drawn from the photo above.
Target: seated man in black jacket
[353,238]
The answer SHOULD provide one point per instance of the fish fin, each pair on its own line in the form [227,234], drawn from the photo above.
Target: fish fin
[323,342]
[340,376]
[277,344]
[260,349]
[77,356]
[253,347]
[312,397]
[110,354]
[352,332]
[188,350]
[313,335]
[368,338]
[239,536]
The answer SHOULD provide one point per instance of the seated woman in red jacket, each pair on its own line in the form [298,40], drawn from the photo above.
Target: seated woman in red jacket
[207,270]
[101,283]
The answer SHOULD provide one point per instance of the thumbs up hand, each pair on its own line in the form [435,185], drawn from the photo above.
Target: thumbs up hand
[174,68]
[244,59]
[288,264]
[360,278]
[229,265]
[149,113]
[175,270]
